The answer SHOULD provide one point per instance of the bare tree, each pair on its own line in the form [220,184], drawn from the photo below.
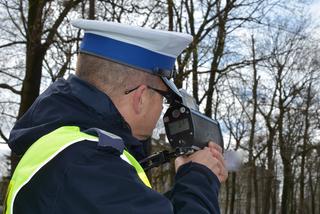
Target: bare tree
[233,117]
[36,24]
[288,86]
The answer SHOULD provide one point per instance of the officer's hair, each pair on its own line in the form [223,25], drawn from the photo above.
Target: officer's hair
[110,77]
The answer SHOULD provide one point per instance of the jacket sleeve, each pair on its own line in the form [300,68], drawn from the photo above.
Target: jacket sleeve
[195,191]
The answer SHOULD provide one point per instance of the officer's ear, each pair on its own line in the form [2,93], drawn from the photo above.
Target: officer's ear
[139,99]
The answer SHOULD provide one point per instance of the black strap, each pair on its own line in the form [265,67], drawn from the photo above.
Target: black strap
[165,156]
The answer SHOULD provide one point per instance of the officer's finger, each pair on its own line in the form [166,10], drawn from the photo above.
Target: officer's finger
[218,156]
[211,144]
[216,152]
[222,173]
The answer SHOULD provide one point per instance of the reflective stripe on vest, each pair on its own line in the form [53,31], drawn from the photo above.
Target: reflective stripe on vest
[44,150]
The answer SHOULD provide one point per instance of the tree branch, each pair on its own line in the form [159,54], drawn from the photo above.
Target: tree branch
[53,30]
[6,86]
[13,21]
[12,43]
[10,75]
[3,136]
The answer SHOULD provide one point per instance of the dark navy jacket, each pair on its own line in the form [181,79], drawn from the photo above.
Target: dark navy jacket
[84,178]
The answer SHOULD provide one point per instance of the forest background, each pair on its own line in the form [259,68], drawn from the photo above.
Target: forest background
[253,66]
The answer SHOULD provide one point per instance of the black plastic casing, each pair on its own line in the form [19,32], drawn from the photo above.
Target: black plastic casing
[196,134]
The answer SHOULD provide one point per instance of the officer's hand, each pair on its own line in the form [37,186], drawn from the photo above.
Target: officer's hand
[211,157]
[216,151]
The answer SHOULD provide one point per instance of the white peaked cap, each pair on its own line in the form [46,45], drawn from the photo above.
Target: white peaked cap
[164,42]
[153,51]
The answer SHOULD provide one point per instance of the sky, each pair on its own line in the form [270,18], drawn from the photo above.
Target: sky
[315,9]
[315,12]
[4,149]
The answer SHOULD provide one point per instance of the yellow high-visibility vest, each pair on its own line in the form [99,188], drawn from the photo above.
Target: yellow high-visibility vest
[45,149]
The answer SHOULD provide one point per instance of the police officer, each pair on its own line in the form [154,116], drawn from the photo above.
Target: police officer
[82,138]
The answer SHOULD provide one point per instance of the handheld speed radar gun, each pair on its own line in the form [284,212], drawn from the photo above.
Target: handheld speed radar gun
[187,129]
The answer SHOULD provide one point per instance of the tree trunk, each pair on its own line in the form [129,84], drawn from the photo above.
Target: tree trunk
[92,9]
[35,53]
[287,188]
[256,191]
[312,191]
[34,57]
[304,150]
[195,82]
[251,162]
[285,152]
[170,15]
[270,175]
[227,194]
[218,51]
[233,192]
[274,200]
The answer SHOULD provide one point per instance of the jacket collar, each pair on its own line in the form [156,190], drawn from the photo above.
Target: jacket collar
[92,97]
[102,105]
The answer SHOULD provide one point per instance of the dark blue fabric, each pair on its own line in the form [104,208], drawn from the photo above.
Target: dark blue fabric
[71,102]
[84,178]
